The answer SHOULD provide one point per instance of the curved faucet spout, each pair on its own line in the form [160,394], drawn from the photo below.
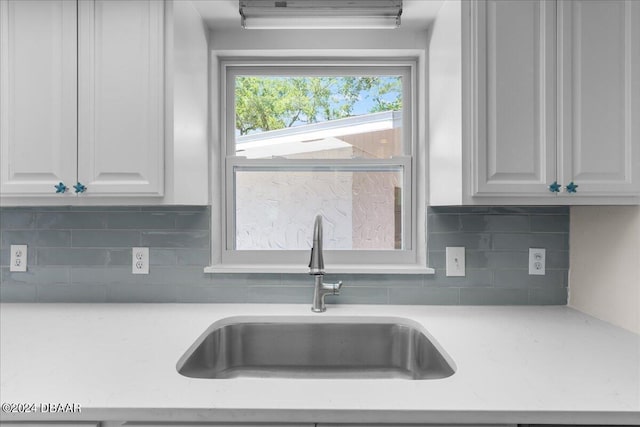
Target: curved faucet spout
[316,263]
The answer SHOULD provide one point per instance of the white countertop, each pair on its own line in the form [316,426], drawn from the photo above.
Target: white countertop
[514,365]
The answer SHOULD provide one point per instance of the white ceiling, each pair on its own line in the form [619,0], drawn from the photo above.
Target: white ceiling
[221,14]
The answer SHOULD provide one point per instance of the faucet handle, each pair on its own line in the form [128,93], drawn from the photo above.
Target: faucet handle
[336,287]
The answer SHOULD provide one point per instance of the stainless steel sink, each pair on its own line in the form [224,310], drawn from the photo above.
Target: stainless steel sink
[289,347]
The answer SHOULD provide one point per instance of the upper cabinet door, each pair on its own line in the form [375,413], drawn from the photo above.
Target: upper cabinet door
[514,76]
[37,96]
[121,103]
[599,110]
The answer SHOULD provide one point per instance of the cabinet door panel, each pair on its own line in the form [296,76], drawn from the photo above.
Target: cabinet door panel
[37,96]
[514,100]
[600,105]
[121,86]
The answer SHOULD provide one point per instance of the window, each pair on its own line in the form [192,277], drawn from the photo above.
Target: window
[301,139]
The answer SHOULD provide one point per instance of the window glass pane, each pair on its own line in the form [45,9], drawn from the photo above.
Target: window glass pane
[318,117]
[362,209]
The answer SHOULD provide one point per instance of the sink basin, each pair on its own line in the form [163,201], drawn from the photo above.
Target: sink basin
[305,347]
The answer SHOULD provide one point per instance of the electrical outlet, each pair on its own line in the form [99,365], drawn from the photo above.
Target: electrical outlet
[537,257]
[140,260]
[18,257]
[455,261]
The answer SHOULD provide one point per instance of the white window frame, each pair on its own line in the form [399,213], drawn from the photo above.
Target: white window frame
[409,260]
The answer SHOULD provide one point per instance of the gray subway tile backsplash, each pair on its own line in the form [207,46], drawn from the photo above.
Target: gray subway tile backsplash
[35,275]
[192,221]
[105,238]
[142,293]
[17,293]
[174,208]
[522,279]
[36,238]
[550,223]
[508,259]
[472,241]
[360,295]
[186,256]
[557,259]
[444,222]
[71,220]
[4,258]
[472,278]
[283,294]
[83,254]
[177,276]
[522,241]
[176,239]
[162,256]
[493,296]
[17,219]
[426,296]
[70,293]
[484,223]
[243,279]
[219,294]
[141,220]
[377,280]
[548,296]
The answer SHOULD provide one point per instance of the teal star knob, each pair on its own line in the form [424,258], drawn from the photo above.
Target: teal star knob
[572,188]
[60,188]
[80,188]
[555,187]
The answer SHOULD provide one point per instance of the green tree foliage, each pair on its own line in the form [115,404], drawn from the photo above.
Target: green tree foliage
[270,103]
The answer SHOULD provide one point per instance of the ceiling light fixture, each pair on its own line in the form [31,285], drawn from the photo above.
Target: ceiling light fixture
[320,14]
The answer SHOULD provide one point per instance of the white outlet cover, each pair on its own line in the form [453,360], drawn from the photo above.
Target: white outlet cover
[537,261]
[140,260]
[18,258]
[455,261]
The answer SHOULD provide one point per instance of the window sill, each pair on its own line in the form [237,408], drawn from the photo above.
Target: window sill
[296,269]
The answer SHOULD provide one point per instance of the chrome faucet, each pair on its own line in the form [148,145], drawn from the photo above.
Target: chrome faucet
[316,268]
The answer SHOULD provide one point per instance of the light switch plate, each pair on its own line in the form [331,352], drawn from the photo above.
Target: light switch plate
[140,260]
[18,259]
[455,261]
[537,258]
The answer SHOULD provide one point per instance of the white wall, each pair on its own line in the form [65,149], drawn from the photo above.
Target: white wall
[604,278]
[445,106]
[187,117]
[316,42]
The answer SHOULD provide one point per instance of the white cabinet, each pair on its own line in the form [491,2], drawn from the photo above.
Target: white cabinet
[38,103]
[514,93]
[102,126]
[537,120]
[120,96]
[550,92]
[599,93]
